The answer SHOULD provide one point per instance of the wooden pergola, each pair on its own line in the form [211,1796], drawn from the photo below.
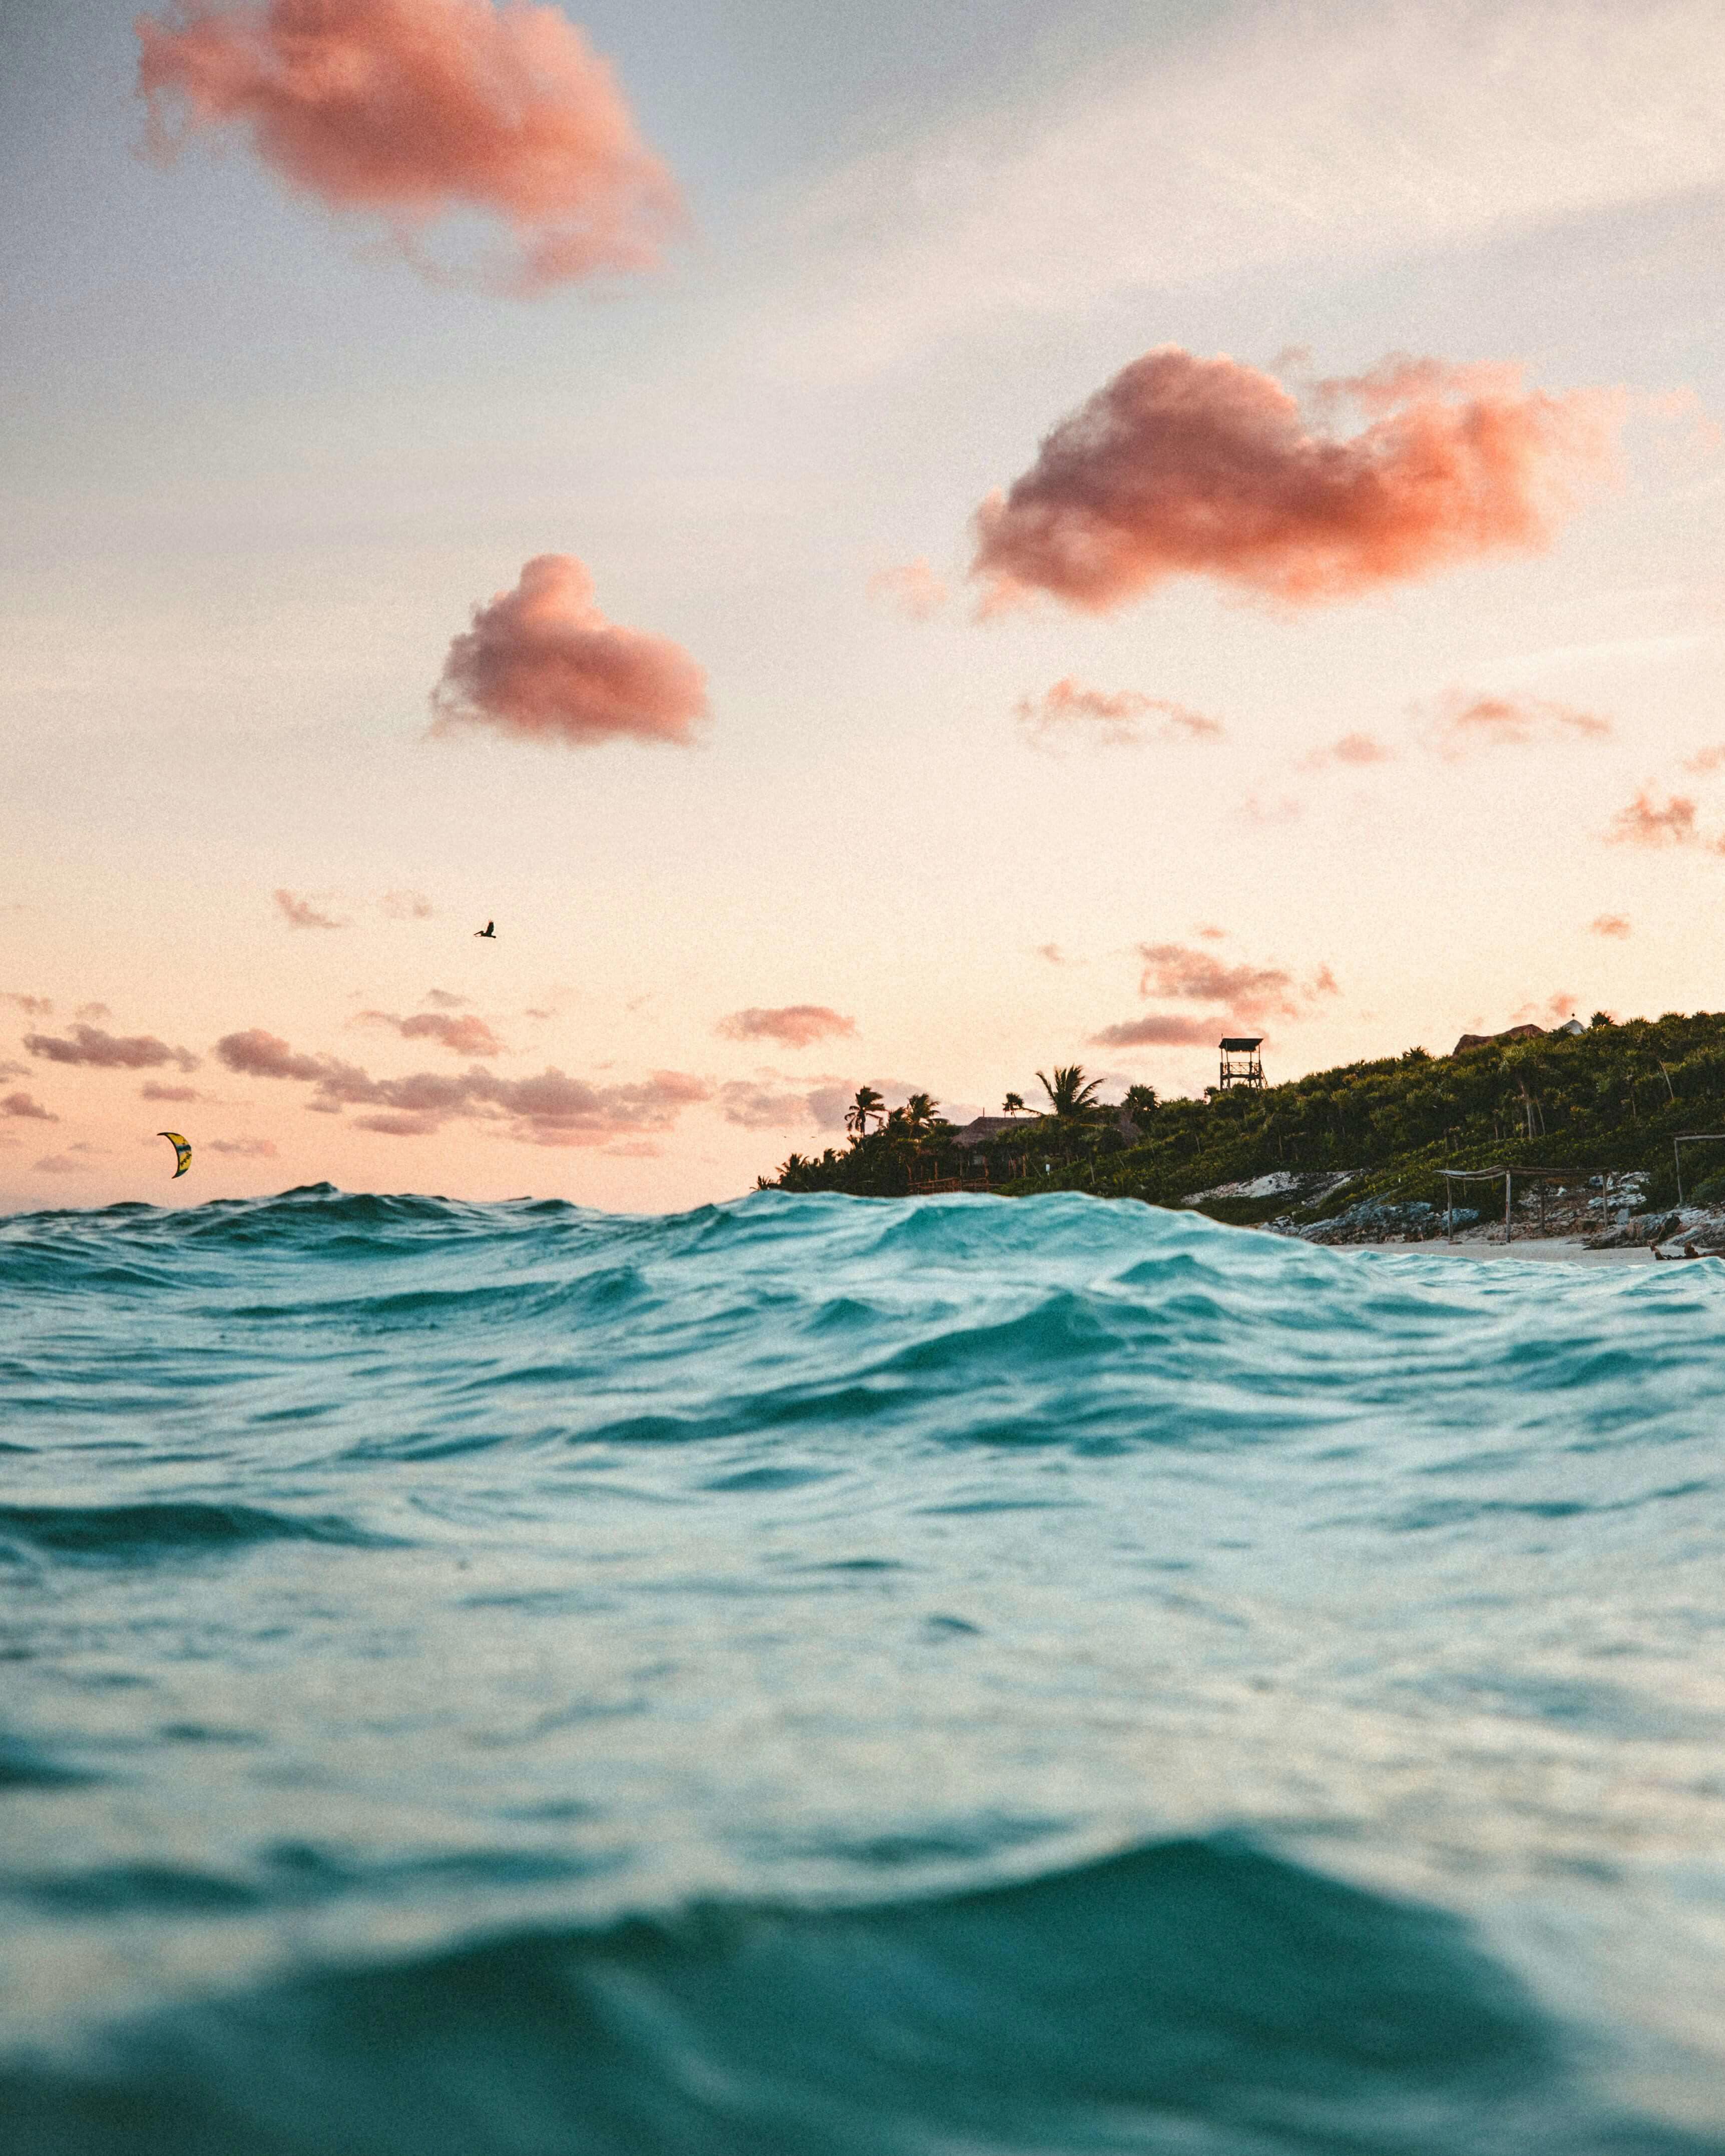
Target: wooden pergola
[1506,1177]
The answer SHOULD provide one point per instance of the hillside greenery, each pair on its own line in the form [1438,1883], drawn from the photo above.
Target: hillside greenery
[1608,1100]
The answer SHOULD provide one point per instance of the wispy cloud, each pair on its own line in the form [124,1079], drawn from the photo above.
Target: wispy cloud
[1464,721]
[1356,133]
[1609,924]
[912,589]
[1104,718]
[299,912]
[1159,1029]
[406,906]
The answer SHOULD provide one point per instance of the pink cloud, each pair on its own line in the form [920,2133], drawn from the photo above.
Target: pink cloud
[246,1148]
[406,906]
[1643,824]
[61,1163]
[1249,992]
[759,1108]
[1356,750]
[463,1036]
[552,1109]
[31,1006]
[794,1025]
[300,913]
[1464,721]
[89,1045]
[256,1054]
[21,1105]
[1109,718]
[1609,924]
[1160,1029]
[413,110]
[543,663]
[152,1089]
[913,588]
[1054,955]
[1183,466]
[1705,759]
[1553,1011]
[92,1010]
[444,1000]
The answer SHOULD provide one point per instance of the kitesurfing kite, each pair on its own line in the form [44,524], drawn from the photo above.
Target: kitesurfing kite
[182,1149]
[489,930]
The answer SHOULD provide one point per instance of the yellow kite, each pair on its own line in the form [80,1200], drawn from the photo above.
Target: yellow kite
[182,1148]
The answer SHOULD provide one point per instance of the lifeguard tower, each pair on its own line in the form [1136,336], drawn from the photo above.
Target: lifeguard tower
[1241,1064]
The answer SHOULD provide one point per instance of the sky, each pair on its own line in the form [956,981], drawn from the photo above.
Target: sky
[897,545]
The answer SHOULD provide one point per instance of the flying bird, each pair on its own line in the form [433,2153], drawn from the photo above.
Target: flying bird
[182,1151]
[489,929]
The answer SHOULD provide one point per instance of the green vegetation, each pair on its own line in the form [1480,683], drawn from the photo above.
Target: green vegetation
[1611,1099]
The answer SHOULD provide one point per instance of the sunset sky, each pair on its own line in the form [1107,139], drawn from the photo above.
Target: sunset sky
[899,544]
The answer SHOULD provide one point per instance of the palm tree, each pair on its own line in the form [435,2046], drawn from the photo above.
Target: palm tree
[1013,1104]
[1140,1104]
[1072,1095]
[920,1113]
[868,1107]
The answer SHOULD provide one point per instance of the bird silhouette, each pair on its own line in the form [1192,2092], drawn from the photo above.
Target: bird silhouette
[489,929]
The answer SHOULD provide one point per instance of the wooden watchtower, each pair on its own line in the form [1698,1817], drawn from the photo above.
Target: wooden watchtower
[1241,1064]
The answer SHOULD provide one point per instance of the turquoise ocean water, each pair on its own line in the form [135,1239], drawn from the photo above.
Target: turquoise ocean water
[810,1677]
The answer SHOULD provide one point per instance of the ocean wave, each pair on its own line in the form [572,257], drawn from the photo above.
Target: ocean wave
[1200,1994]
[511,1678]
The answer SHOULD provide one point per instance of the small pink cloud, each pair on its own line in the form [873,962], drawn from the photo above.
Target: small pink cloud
[31,1006]
[21,1106]
[62,1163]
[1609,924]
[793,1025]
[912,590]
[256,1054]
[541,662]
[1356,750]
[1054,955]
[246,1148]
[443,999]
[300,913]
[469,1035]
[414,111]
[1645,823]
[406,906]
[1109,718]
[1705,759]
[88,1045]
[1161,1029]
[92,1010]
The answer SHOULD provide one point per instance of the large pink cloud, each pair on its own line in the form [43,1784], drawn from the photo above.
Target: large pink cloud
[794,1025]
[1183,466]
[105,1051]
[543,663]
[409,111]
